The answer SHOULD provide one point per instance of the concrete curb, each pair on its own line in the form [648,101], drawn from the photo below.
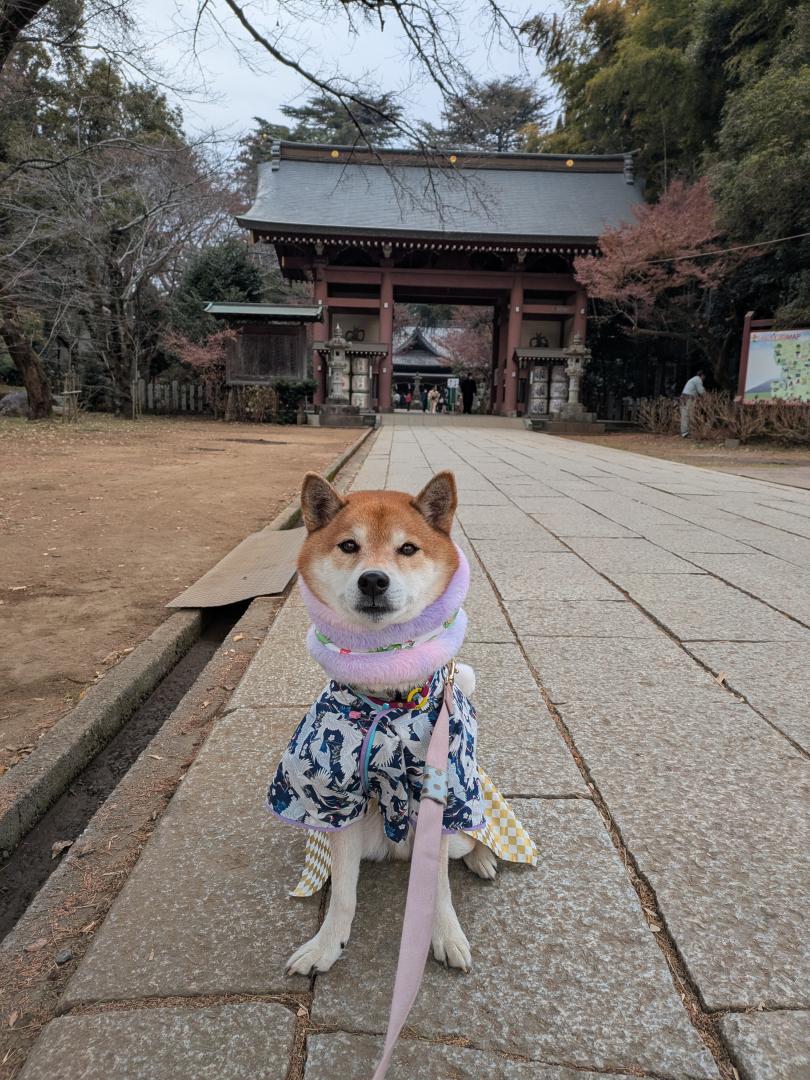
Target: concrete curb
[28,789]
[31,787]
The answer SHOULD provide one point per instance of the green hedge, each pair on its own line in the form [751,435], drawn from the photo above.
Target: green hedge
[291,393]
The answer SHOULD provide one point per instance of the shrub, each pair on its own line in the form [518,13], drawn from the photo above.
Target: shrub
[292,393]
[278,403]
[658,415]
[718,416]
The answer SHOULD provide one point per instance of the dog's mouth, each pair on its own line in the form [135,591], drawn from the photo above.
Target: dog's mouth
[374,609]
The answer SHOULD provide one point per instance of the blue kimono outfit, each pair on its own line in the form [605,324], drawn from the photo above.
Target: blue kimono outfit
[348,750]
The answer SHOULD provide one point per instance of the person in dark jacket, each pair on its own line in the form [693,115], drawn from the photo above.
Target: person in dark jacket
[468,387]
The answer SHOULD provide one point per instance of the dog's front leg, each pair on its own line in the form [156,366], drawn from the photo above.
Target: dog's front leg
[320,953]
[450,945]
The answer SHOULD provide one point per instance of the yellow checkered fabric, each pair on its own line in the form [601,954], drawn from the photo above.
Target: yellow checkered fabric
[503,834]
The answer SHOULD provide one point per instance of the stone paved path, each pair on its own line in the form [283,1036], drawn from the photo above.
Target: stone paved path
[641,634]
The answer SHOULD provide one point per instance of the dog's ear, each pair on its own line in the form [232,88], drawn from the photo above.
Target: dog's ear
[319,502]
[437,501]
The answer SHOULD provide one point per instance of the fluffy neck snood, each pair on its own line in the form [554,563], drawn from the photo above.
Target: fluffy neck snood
[420,647]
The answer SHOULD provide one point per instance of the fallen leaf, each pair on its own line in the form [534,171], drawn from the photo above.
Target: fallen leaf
[40,943]
[721,678]
[655,929]
[89,928]
[205,704]
[237,637]
[59,847]
[152,955]
[17,588]
[157,757]
[12,1018]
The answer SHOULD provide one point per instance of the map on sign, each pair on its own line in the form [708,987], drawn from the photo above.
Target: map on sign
[778,366]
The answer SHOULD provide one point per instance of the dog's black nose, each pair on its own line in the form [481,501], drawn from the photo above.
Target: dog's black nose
[373,583]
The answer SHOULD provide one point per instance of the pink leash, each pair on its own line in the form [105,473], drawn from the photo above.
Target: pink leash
[417,926]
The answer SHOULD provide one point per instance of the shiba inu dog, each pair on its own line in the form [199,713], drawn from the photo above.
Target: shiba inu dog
[384,583]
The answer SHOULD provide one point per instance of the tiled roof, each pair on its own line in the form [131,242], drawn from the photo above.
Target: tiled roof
[512,197]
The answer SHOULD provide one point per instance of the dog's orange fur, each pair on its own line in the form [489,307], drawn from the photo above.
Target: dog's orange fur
[382,515]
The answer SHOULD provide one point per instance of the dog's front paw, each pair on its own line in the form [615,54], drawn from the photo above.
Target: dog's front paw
[317,954]
[450,945]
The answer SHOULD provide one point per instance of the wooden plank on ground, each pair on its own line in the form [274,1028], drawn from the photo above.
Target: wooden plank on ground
[262,565]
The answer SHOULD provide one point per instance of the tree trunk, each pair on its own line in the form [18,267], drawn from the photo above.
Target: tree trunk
[28,363]
[15,16]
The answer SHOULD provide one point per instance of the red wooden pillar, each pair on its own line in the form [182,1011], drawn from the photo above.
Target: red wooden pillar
[386,338]
[513,343]
[580,315]
[320,333]
[494,370]
[503,321]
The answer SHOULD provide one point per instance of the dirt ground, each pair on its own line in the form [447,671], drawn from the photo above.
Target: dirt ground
[103,522]
[783,465]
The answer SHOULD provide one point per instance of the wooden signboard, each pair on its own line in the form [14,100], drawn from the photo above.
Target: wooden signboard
[262,354]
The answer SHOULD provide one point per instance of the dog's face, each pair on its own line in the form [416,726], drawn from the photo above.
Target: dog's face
[378,557]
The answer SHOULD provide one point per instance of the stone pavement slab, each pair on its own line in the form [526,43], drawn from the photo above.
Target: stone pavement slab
[206,909]
[580,618]
[615,558]
[354,1057]
[488,523]
[283,672]
[579,521]
[699,607]
[775,679]
[519,744]
[485,618]
[685,539]
[551,576]
[773,580]
[565,968]
[770,1045]
[219,1042]
[712,804]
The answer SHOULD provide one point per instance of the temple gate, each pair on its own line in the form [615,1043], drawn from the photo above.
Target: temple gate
[369,230]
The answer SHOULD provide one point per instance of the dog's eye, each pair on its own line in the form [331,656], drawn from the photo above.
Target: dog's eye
[349,547]
[408,549]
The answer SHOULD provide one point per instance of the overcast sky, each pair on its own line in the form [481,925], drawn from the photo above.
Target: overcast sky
[233,81]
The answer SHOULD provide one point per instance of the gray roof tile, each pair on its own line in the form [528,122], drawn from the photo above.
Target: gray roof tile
[320,198]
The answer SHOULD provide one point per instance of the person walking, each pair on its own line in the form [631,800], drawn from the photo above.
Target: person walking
[694,388]
[408,400]
[433,398]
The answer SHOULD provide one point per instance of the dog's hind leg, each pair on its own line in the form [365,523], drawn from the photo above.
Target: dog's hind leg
[320,952]
[477,856]
[450,945]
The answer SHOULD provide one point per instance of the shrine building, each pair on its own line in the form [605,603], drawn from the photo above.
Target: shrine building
[369,230]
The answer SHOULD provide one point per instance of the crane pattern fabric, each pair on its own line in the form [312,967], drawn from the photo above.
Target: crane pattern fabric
[348,750]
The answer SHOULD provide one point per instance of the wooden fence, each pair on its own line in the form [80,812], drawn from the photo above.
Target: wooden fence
[171,397]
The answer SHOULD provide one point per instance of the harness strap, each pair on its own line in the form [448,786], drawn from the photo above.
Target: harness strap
[423,880]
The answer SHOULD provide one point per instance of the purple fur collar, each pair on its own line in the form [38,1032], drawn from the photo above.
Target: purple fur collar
[399,667]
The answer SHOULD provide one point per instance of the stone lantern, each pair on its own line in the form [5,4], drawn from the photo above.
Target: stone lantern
[577,357]
[337,410]
[339,369]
